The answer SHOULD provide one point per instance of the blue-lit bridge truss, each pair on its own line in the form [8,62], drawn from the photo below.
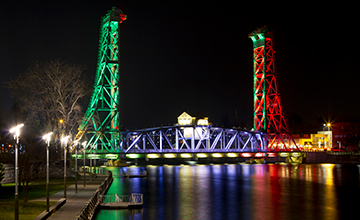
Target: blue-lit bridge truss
[186,139]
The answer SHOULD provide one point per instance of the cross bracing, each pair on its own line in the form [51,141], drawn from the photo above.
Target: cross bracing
[187,139]
[101,123]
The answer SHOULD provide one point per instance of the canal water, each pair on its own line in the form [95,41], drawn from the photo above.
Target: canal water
[241,191]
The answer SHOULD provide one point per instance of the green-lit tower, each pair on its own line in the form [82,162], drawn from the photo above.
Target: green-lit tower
[101,123]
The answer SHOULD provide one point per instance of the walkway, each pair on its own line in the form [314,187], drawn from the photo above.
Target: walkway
[74,202]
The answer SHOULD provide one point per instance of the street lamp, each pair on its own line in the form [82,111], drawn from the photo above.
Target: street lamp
[84,144]
[65,141]
[16,131]
[47,139]
[76,143]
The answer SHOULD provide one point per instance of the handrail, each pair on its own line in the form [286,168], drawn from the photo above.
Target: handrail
[134,198]
[89,209]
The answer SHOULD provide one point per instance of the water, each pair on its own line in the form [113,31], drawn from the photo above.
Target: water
[241,191]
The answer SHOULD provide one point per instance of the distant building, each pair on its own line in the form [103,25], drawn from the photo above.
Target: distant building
[190,132]
[346,135]
[186,119]
[334,137]
[315,142]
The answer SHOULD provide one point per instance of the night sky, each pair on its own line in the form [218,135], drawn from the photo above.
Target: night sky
[189,56]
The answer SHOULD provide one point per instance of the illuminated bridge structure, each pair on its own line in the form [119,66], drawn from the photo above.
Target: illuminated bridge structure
[187,138]
[184,141]
[99,131]
[193,139]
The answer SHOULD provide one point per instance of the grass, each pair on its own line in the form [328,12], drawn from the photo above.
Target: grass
[37,189]
[27,210]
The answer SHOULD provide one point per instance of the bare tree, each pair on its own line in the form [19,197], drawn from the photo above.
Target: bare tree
[50,91]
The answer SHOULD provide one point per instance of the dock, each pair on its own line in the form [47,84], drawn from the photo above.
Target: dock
[115,201]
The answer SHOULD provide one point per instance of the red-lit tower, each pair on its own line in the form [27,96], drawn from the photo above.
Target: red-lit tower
[268,114]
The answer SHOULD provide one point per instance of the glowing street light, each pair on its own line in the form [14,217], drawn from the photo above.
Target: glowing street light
[47,139]
[84,145]
[65,141]
[76,143]
[16,131]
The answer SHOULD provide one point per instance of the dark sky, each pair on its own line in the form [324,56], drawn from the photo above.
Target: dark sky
[189,56]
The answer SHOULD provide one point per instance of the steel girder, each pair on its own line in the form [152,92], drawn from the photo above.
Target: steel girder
[193,139]
[268,113]
[101,123]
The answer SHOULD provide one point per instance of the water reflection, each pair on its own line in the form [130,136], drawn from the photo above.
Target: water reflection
[241,191]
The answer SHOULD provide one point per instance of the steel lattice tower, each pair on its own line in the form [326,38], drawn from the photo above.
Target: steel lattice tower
[268,114]
[101,122]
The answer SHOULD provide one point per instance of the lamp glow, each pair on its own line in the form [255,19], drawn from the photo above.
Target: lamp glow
[231,155]
[185,155]
[259,154]
[246,154]
[201,155]
[283,154]
[169,155]
[16,130]
[133,156]
[152,156]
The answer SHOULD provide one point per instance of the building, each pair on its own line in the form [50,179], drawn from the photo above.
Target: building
[314,142]
[186,119]
[201,131]
[346,135]
[337,136]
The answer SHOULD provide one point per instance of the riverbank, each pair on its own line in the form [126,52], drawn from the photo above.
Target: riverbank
[330,157]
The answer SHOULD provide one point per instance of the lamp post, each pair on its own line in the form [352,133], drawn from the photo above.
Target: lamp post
[84,144]
[16,131]
[76,172]
[65,140]
[47,139]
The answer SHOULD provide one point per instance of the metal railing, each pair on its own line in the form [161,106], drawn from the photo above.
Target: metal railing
[95,170]
[89,209]
[134,198]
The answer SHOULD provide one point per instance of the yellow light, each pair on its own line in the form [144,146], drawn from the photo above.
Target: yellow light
[203,121]
[284,154]
[295,154]
[232,155]
[111,156]
[152,156]
[61,121]
[185,155]
[201,155]
[328,124]
[170,155]
[217,155]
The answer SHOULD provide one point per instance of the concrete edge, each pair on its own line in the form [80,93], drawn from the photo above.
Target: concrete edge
[45,215]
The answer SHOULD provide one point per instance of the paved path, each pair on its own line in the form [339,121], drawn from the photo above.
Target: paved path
[74,201]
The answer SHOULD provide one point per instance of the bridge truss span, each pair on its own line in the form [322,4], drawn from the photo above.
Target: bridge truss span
[193,139]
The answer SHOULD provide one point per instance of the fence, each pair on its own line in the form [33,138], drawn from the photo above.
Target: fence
[134,198]
[88,211]
[96,170]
